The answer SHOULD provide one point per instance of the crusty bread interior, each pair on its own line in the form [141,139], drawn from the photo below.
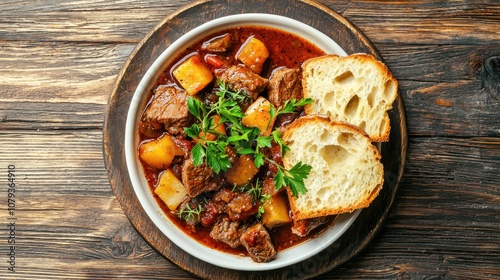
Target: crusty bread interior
[346,171]
[356,89]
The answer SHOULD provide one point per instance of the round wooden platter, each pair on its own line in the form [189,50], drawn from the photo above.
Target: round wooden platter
[310,12]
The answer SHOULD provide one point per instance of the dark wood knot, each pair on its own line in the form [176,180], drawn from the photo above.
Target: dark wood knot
[490,76]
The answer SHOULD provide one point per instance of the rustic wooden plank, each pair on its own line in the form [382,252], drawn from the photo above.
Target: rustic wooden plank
[443,224]
[48,268]
[82,21]
[446,108]
[440,99]
[449,196]
[63,200]
[434,63]
[439,22]
[453,163]
[68,162]
[426,22]
[60,72]
[57,85]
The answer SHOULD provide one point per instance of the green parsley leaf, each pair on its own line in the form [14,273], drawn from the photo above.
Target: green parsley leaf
[263,141]
[279,179]
[303,101]
[246,151]
[258,160]
[192,131]
[293,178]
[217,158]
[277,138]
[292,104]
[196,107]
[197,154]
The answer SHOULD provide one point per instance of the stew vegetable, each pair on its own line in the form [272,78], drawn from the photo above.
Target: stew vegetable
[211,144]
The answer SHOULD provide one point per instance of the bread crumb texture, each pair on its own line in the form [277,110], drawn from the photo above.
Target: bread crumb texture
[346,171]
[356,89]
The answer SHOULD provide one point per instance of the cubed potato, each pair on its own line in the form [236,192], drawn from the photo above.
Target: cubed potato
[276,211]
[257,115]
[160,152]
[242,171]
[170,189]
[219,126]
[253,53]
[193,74]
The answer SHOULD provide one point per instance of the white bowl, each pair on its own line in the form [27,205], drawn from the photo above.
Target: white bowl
[284,258]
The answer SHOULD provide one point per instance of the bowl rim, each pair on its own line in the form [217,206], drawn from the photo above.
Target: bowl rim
[284,258]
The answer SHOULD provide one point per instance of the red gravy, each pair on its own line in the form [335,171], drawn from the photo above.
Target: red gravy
[286,50]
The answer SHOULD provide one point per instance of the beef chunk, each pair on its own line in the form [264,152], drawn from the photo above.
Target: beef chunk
[169,107]
[199,179]
[218,44]
[238,205]
[241,207]
[284,84]
[258,243]
[239,77]
[303,227]
[228,231]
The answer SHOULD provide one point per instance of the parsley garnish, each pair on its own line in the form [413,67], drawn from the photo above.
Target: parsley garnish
[245,140]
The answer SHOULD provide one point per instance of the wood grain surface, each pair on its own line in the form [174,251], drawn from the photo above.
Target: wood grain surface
[58,64]
[332,24]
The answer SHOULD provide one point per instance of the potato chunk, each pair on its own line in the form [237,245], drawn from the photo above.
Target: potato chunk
[242,171]
[257,115]
[276,212]
[160,152]
[193,74]
[253,53]
[170,189]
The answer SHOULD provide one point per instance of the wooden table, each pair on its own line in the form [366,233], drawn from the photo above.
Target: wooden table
[58,64]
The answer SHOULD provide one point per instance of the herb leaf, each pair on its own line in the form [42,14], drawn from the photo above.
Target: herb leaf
[198,153]
[245,140]
[189,214]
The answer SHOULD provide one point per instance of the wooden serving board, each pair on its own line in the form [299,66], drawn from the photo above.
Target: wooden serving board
[310,12]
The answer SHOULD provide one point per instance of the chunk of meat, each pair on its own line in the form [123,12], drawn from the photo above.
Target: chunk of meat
[284,84]
[239,77]
[228,231]
[238,206]
[169,107]
[218,44]
[241,207]
[199,179]
[258,243]
[210,213]
[303,227]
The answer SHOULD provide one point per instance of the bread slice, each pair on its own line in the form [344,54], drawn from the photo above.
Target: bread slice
[346,171]
[356,89]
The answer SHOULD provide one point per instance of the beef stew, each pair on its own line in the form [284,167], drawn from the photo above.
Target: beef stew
[241,85]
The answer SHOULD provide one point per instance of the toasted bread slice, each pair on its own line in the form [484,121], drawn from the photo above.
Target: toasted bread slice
[346,171]
[356,89]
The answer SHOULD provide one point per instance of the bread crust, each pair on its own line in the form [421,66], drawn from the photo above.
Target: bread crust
[300,208]
[382,135]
